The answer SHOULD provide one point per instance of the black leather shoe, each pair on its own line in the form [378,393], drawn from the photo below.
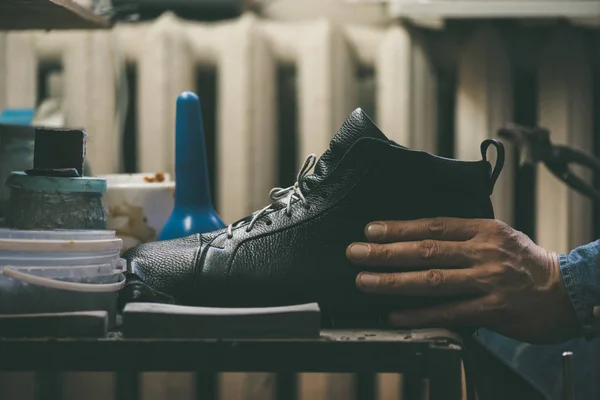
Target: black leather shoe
[293,251]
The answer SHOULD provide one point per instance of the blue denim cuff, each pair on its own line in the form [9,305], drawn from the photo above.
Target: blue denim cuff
[579,270]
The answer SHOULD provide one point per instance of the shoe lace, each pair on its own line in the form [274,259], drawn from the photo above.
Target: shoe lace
[275,194]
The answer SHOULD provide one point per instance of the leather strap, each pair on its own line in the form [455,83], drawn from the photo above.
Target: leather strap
[499,160]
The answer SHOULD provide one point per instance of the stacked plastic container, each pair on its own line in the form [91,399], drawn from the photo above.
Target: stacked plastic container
[60,271]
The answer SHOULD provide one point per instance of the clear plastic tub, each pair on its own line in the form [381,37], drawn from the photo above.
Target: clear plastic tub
[107,273]
[59,234]
[22,293]
[61,246]
[68,272]
[109,277]
[97,274]
[57,259]
[59,252]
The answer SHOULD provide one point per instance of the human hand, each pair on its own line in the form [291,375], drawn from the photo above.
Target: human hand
[514,286]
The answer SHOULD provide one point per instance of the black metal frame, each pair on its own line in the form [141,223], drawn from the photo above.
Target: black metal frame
[435,355]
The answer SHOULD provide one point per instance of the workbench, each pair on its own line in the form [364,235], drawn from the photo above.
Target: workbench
[432,354]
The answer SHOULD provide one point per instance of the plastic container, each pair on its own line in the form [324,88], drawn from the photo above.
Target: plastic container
[52,260]
[109,277]
[58,252]
[138,205]
[68,272]
[22,293]
[108,273]
[58,234]
[61,246]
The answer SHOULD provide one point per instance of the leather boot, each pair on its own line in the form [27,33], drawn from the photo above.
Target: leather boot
[293,250]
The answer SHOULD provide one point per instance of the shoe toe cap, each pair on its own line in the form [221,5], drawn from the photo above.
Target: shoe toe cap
[166,266]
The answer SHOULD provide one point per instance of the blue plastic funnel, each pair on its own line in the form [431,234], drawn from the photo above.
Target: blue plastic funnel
[193,211]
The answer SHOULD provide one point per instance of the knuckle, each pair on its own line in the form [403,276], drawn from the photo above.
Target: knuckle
[395,228]
[500,269]
[496,250]
[388,280]
[487,248]
[435,278]
[437,225]
[385,253]
[498,224]
[501,229]
[470,250]
[496,272]
[428,249]
[487,251]
[495,304]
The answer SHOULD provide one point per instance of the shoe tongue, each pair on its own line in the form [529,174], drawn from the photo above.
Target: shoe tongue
[357,126]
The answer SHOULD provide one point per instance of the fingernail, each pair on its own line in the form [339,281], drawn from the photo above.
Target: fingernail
[369,280]
[359,251]
[376,230]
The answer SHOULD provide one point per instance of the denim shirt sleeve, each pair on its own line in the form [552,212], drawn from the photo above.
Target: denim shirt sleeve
[580,273]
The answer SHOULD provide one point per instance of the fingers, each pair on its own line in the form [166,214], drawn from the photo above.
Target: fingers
[456,229]
[426,253]
[429,283]
[465,313]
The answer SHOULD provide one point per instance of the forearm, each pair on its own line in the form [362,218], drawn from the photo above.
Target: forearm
[581,276]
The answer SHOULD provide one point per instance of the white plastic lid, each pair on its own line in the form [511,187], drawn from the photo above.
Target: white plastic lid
[141,180]
[60,246]
[59,234]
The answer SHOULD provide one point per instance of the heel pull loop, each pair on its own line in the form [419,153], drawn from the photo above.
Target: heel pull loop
[499,160]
